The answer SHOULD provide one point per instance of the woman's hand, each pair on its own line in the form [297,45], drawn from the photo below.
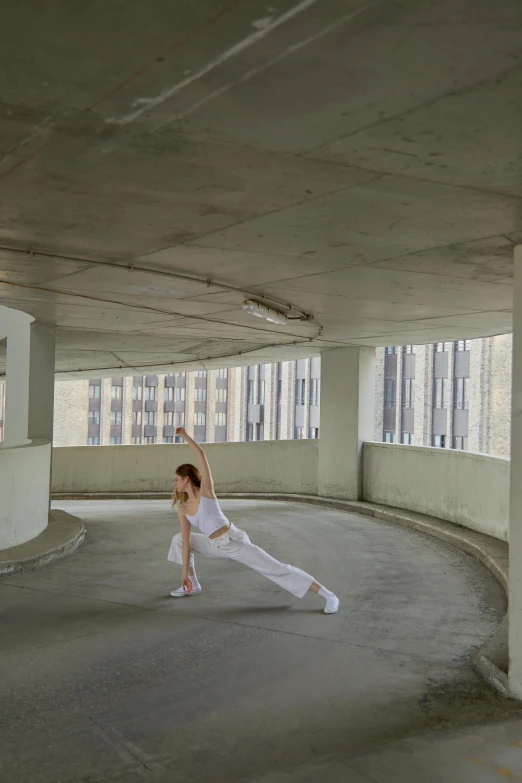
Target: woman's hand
[182,433]
[186,584]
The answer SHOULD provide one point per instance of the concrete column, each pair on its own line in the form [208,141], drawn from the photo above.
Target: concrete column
[17,387]
[347,419]
[515,522]
[41,382]
[25,454]
[30,378]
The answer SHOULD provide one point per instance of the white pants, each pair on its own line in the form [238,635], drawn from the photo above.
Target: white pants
[236,545]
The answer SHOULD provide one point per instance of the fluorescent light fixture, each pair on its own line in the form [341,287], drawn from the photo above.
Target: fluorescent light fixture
[261,311]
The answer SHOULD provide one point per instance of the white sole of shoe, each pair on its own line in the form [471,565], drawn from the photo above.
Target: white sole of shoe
[175,593]
[333,610]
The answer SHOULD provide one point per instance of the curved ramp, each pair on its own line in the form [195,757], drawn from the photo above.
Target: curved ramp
[110,677]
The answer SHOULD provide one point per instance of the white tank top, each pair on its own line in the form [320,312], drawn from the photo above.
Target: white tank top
[208,517]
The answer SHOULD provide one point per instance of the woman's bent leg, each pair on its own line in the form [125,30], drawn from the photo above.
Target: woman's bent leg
[198,543]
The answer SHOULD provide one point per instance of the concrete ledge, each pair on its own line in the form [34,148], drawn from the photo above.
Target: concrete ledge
[493,659]
[63,536]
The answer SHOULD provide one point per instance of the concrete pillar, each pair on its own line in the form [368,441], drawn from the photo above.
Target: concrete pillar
[16,326]
[30,378]
[347,419]
[515,522]
[41,382]
[25,454]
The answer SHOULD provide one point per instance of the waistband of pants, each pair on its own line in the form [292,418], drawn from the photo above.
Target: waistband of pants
[226,533]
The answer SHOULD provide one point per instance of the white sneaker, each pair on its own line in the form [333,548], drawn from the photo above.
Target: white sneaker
[182,592]
[332,605]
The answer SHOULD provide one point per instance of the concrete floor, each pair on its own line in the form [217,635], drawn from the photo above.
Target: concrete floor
[112,680]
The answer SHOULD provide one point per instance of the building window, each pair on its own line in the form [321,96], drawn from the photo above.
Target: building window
[439,441]
[168,394]
[179,439]
[408,392]
[408,349]
[250,392]
[460,442]
[93,441]
[260,431]
[136,441]
[137,392]
[261,392]
[250,432]
[94,417]
[391,350]
[223,373]
[315,386]
[200,419]
[299,433]
[300,391]
[169,419]
[136,418]
[201,374]
[168,439]
[408,438]
[179,419]
[221,395]
[115,440]
[150,418]
[115,417]
[390,392]
[440,393]
[200,395]
[116,392]
[179,374]
[441,347]
[150,392]
[94,391]
[314,433]
[461,394]
[179,394]
[150,440]
[221,419]
[463,345]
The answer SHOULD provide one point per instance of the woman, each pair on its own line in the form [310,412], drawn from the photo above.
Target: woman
[198,506]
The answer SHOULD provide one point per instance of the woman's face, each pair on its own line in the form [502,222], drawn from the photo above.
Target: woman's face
[181,483]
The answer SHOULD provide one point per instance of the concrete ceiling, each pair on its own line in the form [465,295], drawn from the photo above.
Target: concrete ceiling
[161,162]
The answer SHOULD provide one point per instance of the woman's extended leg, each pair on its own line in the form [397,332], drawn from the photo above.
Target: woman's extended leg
[332,602]
[237,546]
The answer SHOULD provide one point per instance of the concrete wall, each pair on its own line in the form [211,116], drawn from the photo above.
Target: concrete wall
[24,492]
[266,466]
[469,489]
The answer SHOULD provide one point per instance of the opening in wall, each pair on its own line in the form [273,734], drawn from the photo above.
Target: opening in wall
[439,441]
